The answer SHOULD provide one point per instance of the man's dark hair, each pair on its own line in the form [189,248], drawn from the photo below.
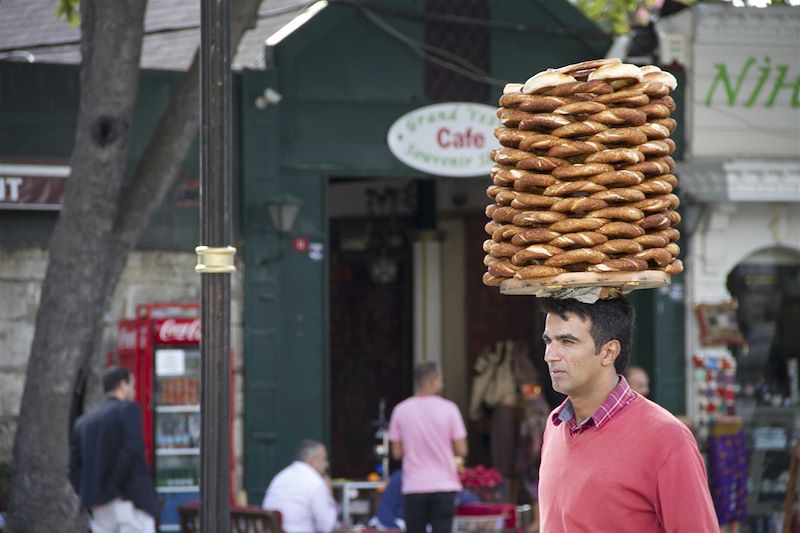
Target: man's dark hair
[114,376]
[306,449]
[423,372]
[610,319]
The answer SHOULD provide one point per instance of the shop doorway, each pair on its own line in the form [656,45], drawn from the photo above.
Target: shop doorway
[766,286]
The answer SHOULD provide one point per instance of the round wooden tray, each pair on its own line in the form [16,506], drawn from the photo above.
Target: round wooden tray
[612,283]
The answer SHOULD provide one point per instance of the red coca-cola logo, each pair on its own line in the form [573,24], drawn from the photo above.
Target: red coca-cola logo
[178,331]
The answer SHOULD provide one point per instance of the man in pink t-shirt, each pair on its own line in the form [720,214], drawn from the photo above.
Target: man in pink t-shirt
[427,433]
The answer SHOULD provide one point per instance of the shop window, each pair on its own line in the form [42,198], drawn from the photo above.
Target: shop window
[766,286]
[455,27]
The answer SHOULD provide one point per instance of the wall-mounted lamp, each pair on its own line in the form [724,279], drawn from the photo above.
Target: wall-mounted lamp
[269,97]
[283,210]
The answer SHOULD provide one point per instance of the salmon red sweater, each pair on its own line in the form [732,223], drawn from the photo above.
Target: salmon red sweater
[640,472]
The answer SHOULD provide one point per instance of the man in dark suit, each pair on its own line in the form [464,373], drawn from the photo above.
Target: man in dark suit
[107,467]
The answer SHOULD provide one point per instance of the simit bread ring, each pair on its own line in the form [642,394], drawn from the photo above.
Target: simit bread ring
[581,87]
[525,200]
[653,89]
[675,267]
[619,246]
[569,172]
[545,80]
[577,205]
[510,117]
[623,264]
[670,233]
[626,136]
[618,96]
[669,123]
[537,271]
[620,230]
[492,281]
[655,111]
[633,101]
[620,116]
[579,108]
[617,178]
[668,161]
[534,236]
[652,241]
[565,188]
[507,176]
[581,239]
[657,221]
[574,225]
[491,226]
[649,167]
[493,191]
[659,256]
[615,72]
[654,73]
[547,121]
[669,178]
[654,131]
[501,249]
[657,148]
[532,103]
[579,129]
[504,214]
[666,101]
[626,213]
[529,218]
[654,186]
[505,232]
[673,248]
[674,217]
[652,205]
[539,143]
[590,65]
[535,252]
[573,148]
[512,137]
[673,200]
[500,266]
[543,163]
[534,183]
[620,194]
[508,156]
[579,255]
[628,156]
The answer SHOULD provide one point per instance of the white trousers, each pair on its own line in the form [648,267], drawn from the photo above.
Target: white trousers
[120,516]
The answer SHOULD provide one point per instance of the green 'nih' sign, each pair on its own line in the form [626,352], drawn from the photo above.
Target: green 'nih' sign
[732,90]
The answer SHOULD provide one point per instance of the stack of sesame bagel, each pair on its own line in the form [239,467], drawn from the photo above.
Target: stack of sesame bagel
[583,179]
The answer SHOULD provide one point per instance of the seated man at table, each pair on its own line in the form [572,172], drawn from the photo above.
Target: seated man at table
[302,492]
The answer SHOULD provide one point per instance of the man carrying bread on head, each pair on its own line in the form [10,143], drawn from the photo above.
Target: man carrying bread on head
[612,460]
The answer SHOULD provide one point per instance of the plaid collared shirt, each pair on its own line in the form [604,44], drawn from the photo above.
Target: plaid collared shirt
[621,396]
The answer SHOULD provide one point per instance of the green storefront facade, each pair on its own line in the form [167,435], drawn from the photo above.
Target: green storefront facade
[343,80]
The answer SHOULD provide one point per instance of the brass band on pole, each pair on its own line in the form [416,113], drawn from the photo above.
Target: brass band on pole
[215,260]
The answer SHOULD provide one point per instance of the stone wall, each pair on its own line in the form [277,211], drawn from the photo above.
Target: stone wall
[150,276]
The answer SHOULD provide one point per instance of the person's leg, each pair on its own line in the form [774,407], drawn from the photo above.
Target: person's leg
[442,510]
[414,512]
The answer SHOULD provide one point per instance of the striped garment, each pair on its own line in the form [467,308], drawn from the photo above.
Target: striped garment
[621,396]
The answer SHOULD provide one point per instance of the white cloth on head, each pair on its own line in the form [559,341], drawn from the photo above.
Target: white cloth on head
[120,516]
[302,496]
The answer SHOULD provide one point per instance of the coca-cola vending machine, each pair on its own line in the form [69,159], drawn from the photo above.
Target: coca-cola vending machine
[161,345]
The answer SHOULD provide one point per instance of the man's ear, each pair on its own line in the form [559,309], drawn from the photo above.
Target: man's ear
[609,352]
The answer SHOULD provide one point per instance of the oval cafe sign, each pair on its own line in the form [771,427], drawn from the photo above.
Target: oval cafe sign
[452,139]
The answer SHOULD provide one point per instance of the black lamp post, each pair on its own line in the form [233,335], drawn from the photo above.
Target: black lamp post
[215,263]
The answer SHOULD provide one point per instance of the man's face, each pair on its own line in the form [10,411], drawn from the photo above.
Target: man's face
[319,461]
[575,366]
[129,389]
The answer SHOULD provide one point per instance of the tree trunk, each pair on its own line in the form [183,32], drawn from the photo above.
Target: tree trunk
[99,224]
